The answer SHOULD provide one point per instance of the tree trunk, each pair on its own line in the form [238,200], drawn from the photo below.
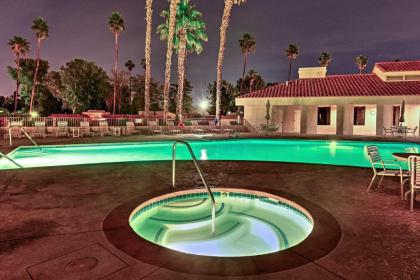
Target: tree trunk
[243,72]
[290,69]
[223,29]
[181,74]
[169,50]
[115,73]
[147,55]
[17,82]
[35,75]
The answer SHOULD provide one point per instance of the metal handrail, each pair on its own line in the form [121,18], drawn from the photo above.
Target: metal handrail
[194,159]
[11,160]
[24,133]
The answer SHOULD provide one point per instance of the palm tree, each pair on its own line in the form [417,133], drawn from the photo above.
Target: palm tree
[171,32]
[248,45]
[147,55]
[20,48]
[143,63]
[292,53]
[324,59]
[221,56]
[130,66]
[40,27]
[116,26]
[189,36]
[361,62]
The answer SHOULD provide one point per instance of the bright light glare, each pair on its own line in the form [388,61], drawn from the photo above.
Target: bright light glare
[34,114]
[204,105]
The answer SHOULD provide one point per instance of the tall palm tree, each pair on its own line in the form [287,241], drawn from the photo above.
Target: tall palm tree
[116,26]
[169,50]
[189,36]
[221,56]
[292,53]
[148,57]
[20,48]
[361,62]
[40,27]
[248,44]
[324,59]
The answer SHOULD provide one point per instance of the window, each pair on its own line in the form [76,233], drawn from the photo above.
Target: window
[412,78]
[396,110]
[324,115]
[359,115]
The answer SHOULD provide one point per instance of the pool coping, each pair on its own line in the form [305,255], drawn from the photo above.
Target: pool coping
[324,238]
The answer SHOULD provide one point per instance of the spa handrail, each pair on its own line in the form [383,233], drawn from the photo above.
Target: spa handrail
[194,159]
[11,160]
[24,133]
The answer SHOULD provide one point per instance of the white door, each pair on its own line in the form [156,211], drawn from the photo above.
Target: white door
[296,122]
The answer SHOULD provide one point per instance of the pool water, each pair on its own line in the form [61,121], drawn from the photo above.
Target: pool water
[247,223]
[348,153]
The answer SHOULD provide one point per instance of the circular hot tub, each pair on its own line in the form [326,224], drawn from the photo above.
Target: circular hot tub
[247,223]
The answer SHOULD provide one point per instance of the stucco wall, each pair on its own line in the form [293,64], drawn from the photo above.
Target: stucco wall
[370,122]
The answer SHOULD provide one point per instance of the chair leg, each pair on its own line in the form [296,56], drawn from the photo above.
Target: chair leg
[371,182]
[412,200]
[380,181]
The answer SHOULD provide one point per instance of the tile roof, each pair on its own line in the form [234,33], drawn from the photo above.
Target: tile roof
[337,86]
[399,66]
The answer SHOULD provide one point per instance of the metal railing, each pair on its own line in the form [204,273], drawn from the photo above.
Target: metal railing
[11,160]
[194,159]
[24,133]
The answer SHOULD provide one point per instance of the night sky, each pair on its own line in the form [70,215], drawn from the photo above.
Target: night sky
[381,29]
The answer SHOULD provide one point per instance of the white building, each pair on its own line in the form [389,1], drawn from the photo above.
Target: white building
[362,104]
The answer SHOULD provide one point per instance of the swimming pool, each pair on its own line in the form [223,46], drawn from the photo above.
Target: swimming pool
[247,223]
[347,153]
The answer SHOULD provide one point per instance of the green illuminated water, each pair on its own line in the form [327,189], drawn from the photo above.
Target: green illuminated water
[349,153]
[245,225]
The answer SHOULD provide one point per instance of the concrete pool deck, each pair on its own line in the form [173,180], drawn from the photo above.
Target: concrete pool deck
[51,218]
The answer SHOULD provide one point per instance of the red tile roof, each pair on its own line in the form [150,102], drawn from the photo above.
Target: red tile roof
[337,86]
[399,66]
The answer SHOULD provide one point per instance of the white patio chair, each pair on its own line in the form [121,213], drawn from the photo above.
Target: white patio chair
[85,129]
[62,129]
[412,131]
[414,167]
[383,169]
[39,131]
[131,128]
[104,128]
[388,131]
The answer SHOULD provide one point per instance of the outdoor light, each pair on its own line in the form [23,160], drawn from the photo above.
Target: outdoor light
[34,114]
[204,105]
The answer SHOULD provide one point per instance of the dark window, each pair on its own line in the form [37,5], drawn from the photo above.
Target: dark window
[324,115]
[396,110]
[359,115]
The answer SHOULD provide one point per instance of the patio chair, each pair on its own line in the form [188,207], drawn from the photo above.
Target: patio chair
[383,169]
[85,129]
[104,129]
[40,130]
[414,167]
[131,128]
[388,131]
[412,131]
[62,129]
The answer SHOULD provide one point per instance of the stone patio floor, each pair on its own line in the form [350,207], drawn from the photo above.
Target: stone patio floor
[51,219]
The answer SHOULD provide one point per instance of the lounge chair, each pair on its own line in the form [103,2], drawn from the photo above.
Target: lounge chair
[196,128]
[40,130]
[388,131]
[412,131]
[154,127]
[383,169]
[131,129]
[104,129]
[14,130]
[62,129]
[85,129]
[414,167]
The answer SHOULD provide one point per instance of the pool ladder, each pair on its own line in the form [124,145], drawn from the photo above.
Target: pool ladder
[24,133]
[197,166]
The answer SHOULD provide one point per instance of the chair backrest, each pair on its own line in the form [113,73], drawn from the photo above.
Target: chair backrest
[374,156]
[130,126]
[16,124]
[414,167]
[62,126]
[170,123]
[40,126]
[103,126]
[84,126]
[152,123]
[138,121]
[195,123]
